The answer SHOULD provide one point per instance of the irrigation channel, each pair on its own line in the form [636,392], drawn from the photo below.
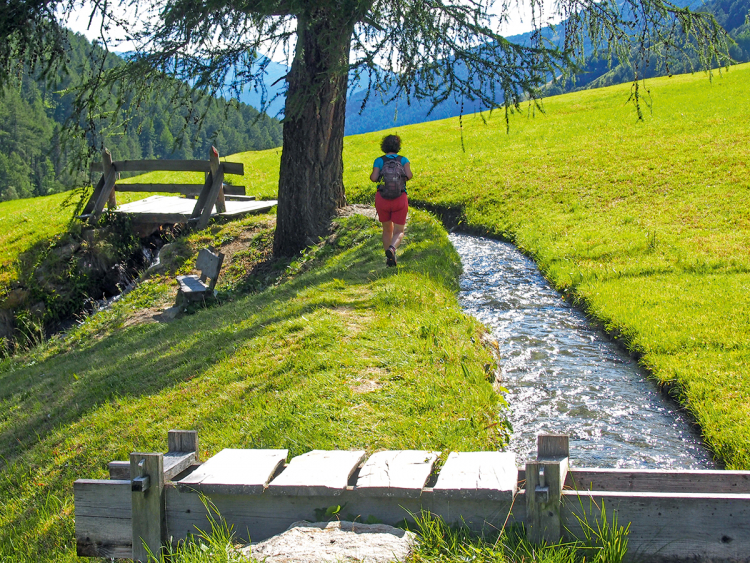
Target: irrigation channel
[564,375]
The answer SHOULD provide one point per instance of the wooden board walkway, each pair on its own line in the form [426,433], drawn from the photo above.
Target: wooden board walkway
[673,515]
[171,209]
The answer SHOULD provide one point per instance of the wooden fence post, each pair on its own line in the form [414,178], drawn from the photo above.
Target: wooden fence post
[183,441]
[545,478]
[147,501]
[107,168]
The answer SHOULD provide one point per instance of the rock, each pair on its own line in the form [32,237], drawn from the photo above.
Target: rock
[16,298]
[66,251]
[169,314]
[320,542]
[38,310]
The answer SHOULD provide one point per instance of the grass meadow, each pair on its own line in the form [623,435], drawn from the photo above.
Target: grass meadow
[644,224]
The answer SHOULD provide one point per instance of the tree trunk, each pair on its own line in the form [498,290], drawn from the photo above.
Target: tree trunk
[311,185]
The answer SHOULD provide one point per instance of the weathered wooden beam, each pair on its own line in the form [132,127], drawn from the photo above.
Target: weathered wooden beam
[119,470]
[319,472]
[183,441]
[667,526]
[185,189]
[211,196]
[213,160]
[480,475]
[147,501]
[659,481]
[107,168]
[234,471]
[86,213]
[236,168]
[545,478]
[103,525]
[159,218]
[400,473]
[228,195]
[103,195]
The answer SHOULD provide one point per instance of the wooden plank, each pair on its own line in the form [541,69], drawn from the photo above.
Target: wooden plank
[92,200]
[264,515]
[235,471]
[103,518]
[486,475]
[213,160]
[183,441]
[236,168]
[230,196]
[213,194]
[670,526]
[318,472]
[103,196]
[656,480]
[544,485]
[148,516]
[185,189]
[106,169]
[158,218]
[202,197]
[119,470]
[177,462]
[552,446]
[244,207]
[396,473]
[191,285]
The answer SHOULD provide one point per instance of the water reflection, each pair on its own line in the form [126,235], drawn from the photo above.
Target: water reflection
[565,376]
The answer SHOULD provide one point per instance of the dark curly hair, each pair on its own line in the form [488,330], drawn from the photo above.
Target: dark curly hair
[390,143]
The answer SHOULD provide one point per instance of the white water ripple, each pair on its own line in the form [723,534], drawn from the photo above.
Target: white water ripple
[564,376]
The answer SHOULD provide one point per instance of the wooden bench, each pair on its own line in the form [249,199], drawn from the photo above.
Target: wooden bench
[194,288]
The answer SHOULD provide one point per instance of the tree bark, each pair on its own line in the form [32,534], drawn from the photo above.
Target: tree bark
[311,185]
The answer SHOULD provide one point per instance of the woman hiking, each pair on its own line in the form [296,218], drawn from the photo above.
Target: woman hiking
[391,171]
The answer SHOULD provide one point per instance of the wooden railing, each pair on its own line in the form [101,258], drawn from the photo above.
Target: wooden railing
[211,193]
[673,515]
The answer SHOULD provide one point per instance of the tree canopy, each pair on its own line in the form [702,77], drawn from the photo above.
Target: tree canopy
[418,49]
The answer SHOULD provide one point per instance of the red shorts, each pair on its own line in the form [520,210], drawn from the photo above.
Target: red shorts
[392,209]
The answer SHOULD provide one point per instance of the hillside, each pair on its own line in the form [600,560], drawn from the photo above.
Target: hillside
[643,224]
[33,114]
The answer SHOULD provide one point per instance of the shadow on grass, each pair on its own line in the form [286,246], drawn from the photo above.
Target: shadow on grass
[145,359]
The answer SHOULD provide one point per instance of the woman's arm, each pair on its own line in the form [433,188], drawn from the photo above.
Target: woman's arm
[407,171]
[375,176]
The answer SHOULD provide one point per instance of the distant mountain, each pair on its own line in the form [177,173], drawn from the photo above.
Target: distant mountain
[597,72]
[34,113]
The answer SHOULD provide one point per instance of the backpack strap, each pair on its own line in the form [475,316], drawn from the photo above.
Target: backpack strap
[399,158]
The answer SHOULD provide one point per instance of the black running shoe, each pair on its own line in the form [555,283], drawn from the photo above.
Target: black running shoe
[390,256]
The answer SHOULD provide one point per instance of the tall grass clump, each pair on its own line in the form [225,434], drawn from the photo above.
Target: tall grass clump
[601,541]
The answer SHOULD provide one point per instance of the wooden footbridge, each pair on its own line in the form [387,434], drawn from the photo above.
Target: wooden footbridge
[154,498]
[214,197]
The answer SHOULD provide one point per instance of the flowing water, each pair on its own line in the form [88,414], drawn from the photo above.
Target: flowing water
[565,376]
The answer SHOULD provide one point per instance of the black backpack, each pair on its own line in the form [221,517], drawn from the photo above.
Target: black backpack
[392,178]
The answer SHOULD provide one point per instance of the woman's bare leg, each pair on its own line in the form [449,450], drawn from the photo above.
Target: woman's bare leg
[398,234]
[388,234]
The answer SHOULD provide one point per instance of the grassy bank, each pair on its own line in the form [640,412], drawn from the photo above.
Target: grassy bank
[645,224]
[338,352]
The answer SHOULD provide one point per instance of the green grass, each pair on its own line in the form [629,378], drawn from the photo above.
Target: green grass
[339,353]
[644,224]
